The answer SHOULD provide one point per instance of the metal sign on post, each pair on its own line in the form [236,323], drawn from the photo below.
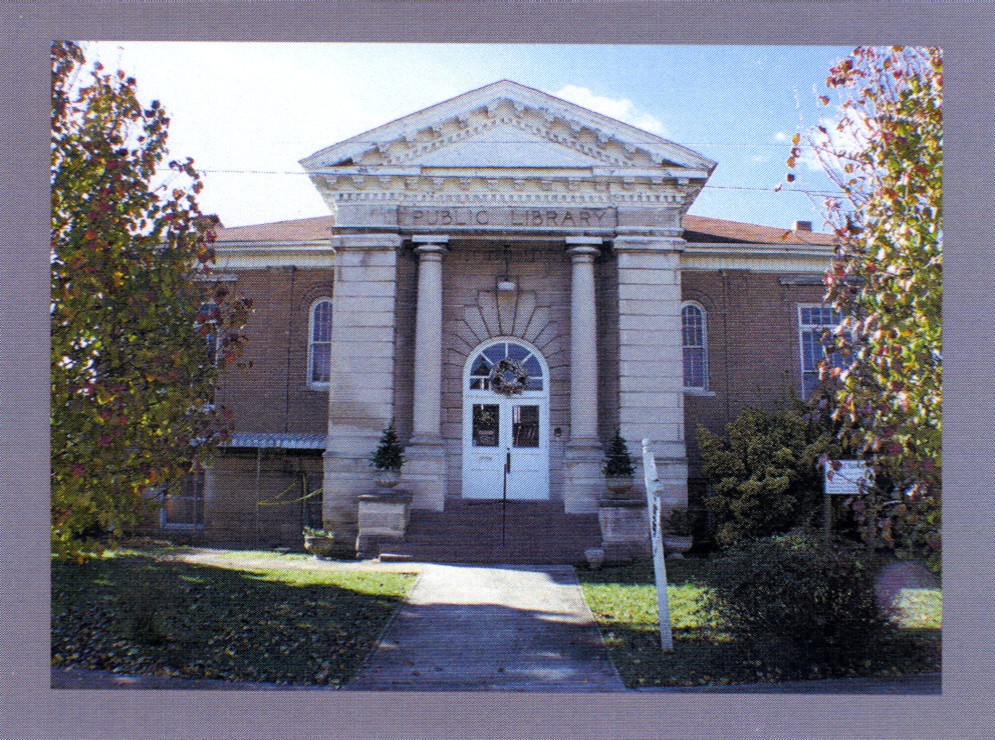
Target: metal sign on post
[847,477]
[653,504]
[842,478]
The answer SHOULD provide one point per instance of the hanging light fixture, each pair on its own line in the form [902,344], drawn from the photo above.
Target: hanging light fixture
[505,283]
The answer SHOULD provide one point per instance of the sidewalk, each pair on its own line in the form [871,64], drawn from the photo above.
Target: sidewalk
[504,628]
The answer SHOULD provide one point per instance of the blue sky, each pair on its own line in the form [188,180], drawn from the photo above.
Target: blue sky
[247,112]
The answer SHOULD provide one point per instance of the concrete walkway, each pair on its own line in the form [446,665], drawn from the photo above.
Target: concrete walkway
[480,628]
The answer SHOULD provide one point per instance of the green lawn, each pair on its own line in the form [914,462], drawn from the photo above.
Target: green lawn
[623,600]
[144,613]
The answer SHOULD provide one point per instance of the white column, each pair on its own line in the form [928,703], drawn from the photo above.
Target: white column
[583,482]
[583,340]
[427,424]
[424,473]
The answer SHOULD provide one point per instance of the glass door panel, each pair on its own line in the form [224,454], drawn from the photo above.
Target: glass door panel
[525,426]
[486,425]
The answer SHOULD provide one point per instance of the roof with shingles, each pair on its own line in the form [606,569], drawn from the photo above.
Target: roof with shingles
[696,229]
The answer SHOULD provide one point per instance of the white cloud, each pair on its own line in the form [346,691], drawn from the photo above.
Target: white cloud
[781,137]
[852,139]
[621,108]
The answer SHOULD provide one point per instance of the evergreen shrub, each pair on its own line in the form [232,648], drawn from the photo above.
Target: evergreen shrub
[764,474]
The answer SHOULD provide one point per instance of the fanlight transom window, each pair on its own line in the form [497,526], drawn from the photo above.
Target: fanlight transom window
[506,365]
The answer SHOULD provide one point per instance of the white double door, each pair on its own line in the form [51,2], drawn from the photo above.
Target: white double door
[505,447]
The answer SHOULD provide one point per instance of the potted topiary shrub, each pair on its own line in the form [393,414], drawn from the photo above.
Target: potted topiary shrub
[388,459]
[677,538]
[618,468]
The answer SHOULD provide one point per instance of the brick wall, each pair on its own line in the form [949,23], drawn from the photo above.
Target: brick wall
[753,354]
[268,390]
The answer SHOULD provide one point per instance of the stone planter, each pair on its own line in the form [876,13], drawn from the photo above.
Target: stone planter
[676,545]
[624,530]
[387,478]
[319,545]
[595,557]
[618,487]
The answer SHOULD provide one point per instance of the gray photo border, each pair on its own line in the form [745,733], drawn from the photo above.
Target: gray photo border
[29,708]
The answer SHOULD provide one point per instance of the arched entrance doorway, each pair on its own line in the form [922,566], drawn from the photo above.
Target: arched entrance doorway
[506,422]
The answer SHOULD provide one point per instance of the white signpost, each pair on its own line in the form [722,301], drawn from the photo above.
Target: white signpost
[653,503]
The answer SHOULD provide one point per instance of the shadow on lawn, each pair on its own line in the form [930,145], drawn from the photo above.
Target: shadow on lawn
[137,614]
[703,653]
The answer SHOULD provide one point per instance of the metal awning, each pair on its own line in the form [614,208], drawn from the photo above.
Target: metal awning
[277,440]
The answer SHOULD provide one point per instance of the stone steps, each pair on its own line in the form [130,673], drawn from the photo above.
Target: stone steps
[534,533]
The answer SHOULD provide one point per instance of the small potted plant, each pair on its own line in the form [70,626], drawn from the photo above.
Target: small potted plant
[677,538]
[388,458]
[319,542]
[618,468]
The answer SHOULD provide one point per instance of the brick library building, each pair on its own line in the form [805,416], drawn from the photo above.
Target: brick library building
[509,278]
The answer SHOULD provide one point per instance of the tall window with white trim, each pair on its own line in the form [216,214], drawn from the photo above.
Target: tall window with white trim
[320,343]
[695,346]
[815,326]
[206,325]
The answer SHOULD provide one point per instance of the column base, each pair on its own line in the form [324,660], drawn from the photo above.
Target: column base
[347,477]
[424,473]
[584,483]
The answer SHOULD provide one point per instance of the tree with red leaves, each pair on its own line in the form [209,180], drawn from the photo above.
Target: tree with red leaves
[885,154]
[140,333]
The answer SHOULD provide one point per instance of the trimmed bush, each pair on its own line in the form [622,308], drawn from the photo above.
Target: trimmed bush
[799,609]
[764,474]
[389,454]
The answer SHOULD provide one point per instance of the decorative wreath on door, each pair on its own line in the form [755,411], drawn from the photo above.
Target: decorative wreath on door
[509,377]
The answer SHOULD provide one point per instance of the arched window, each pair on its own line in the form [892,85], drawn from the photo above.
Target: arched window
[319,354]
[695,346]
[525,370]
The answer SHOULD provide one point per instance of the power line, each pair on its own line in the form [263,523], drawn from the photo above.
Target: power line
[745,188]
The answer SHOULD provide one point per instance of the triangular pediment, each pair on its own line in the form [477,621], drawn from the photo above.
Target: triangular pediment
[512,144]
[506,125]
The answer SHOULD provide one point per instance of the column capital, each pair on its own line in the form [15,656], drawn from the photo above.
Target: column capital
[583,248]
[430,252]
[430,248]
[430,240]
